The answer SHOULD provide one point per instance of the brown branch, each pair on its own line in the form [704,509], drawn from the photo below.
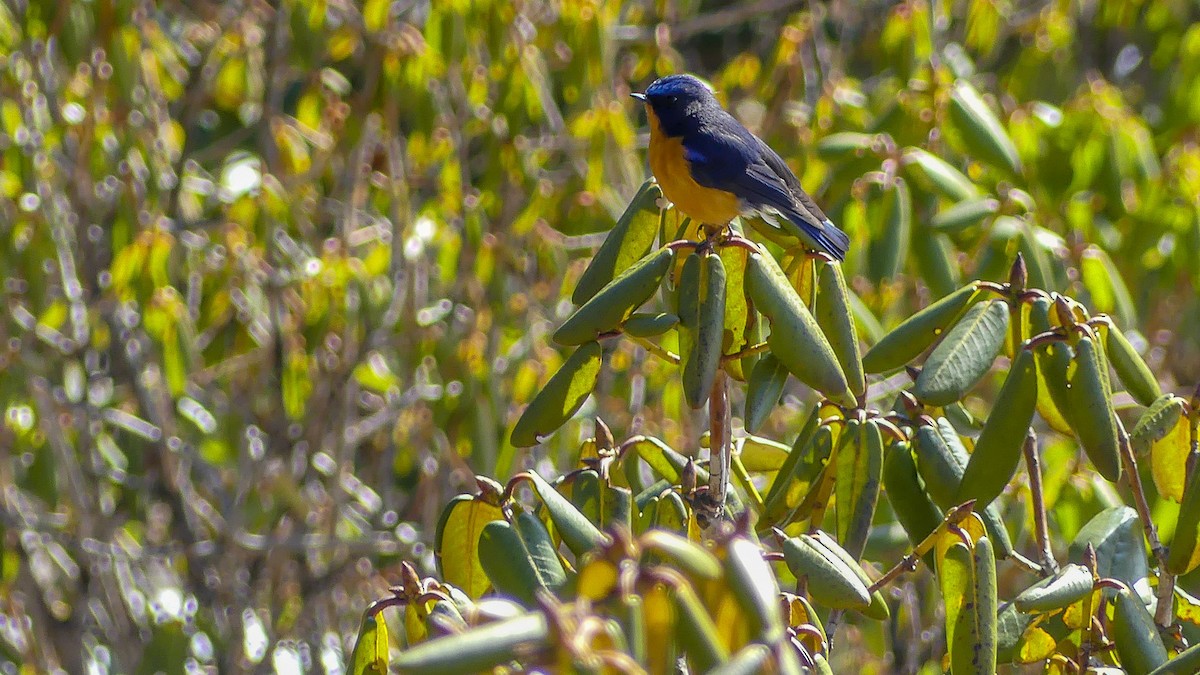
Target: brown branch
[720,439]
[1033,466]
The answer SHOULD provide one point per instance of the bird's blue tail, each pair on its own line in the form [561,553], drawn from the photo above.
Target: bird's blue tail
[826,236]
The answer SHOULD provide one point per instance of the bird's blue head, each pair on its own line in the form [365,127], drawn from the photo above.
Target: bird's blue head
[677,101]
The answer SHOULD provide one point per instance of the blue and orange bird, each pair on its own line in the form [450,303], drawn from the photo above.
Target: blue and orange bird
[713,169]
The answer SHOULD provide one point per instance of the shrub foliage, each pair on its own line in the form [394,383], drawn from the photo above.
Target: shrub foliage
[286,283]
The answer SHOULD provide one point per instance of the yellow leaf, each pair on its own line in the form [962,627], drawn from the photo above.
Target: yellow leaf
[1036,644]
[457,545]
[1168,461]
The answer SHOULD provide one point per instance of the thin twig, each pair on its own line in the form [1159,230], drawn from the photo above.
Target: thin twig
[1166,580]
[1037,500]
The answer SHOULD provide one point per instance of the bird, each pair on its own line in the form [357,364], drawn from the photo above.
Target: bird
[712,168]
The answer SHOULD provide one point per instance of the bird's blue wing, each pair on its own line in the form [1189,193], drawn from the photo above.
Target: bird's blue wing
[744,165]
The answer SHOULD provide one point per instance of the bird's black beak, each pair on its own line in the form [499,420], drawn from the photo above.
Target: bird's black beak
[638,96]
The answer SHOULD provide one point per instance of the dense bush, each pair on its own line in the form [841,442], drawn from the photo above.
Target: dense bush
[280,281]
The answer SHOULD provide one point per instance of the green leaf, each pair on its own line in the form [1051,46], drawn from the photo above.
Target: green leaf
[763,390]
[755,587]
[1135,635]
[695,630]
[1108,291]
[964,355]
[998,449]
[603,504]
[613,304]
[760,454]
[906,341]
[893,232]
[933,173]
[964,214]
[1137,377]
[796,339]
[980,129]
[1168,459]
[1156,422]
[477,650]
[1116,534]
[561,398]
[507,562]
[860,474]
[578,533]
[911,503]
[627,242]
[956,576]
[1070,584]
[834,316]
[831,582]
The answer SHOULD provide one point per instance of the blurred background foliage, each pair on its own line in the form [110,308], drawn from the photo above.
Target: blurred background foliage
[278,277]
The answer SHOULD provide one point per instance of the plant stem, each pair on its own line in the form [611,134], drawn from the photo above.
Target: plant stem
[720,439]
[1033,465]
[1166,580]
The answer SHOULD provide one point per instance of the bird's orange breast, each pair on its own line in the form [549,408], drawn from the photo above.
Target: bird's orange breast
[674,175]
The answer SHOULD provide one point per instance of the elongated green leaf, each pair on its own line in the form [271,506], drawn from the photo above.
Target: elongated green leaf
[748,660]
[998,449]
[1069,585]
[1184,553]
[763,390]
[1131,369]
[578,533]
[1136,637]
[702,323]
[737,333]
[985,607]
[906,341]
[931,172]
[845,143]
[605,505]
[965,214]
[629,241]
[860,474]
[755,587]
[956,575]
[834,316]
[649,324]
[981,130]
[790,482]
[795,339]
[1116,534]
[561,398]
[831,581]
[695,630]
[508,563]
[1186,662]
[1089,399]
[889,246]
[761,454]
[1103,281]
[541,550]
[682,553]
[966,353]
[614,303]
[1157,421]
[910,501]
[477,650]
